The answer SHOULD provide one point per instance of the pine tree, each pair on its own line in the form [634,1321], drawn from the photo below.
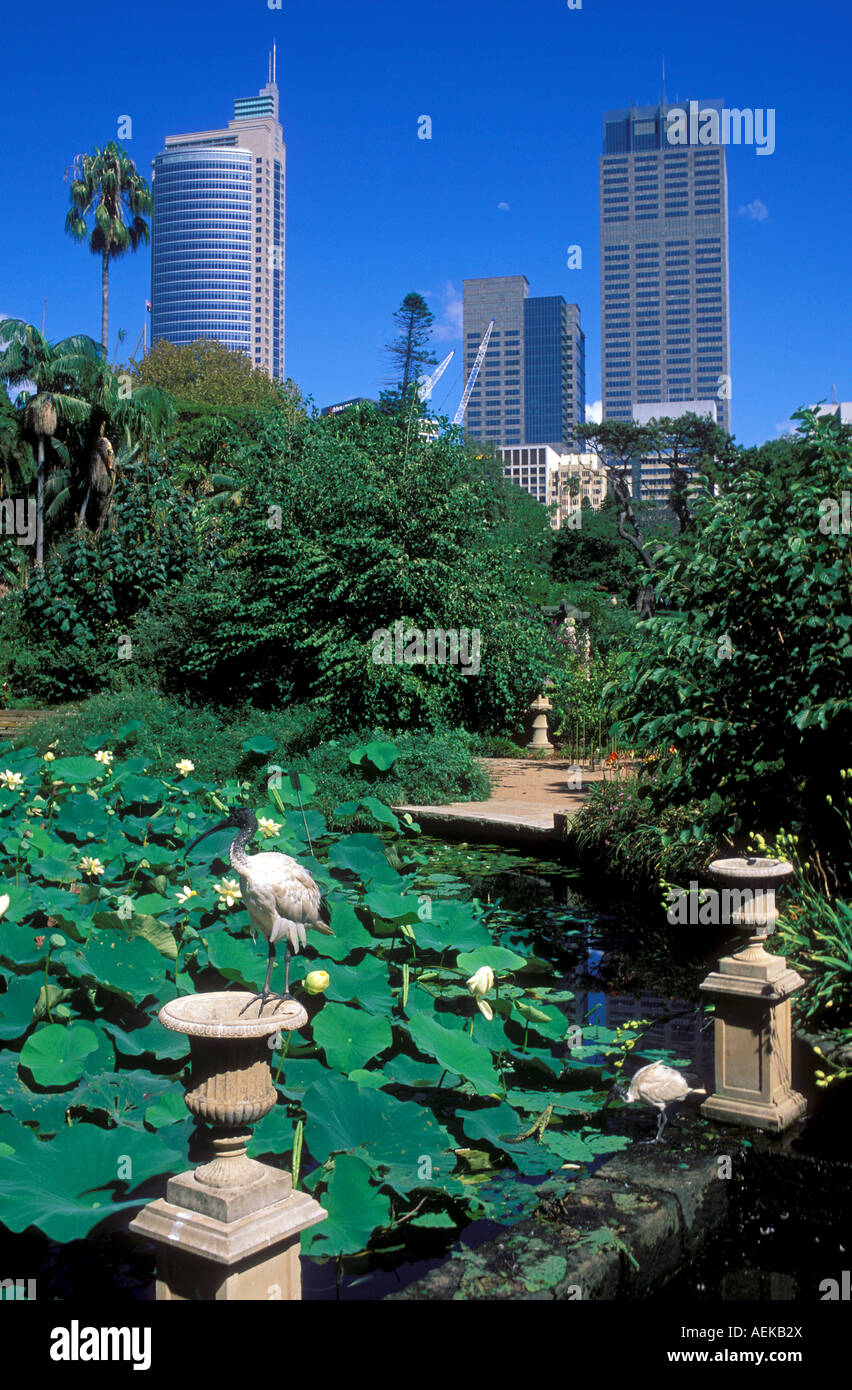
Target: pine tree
[411,352]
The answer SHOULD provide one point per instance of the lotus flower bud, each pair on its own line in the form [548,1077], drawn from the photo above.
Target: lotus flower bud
[317,982]
[482,981]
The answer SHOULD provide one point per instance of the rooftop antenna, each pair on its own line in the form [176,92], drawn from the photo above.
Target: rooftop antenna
[273,62]
[833,390]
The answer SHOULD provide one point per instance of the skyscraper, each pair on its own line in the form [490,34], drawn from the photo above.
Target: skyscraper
[532,386]
[665,333]
[218,234]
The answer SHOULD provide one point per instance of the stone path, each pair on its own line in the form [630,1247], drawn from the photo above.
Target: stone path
[526,798]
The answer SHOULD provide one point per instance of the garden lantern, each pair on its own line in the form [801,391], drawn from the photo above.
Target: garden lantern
[230,1228]
[539,709]
[752,989]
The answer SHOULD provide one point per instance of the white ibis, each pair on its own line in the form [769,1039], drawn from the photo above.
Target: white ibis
[280,895]
[660,1086]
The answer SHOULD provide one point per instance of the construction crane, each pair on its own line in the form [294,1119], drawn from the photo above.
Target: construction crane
[483,348]
[427,384]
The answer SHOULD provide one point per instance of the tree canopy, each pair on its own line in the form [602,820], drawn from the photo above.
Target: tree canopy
[207,372]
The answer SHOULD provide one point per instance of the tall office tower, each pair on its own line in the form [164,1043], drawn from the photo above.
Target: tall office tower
[218,234]
[664,265]
[532,385]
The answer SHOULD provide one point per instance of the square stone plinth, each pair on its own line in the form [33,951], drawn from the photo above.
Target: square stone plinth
[753,1036]
[200,1258]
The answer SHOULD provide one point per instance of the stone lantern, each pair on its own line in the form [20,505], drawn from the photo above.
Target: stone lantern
[752,989]
[539,710]
[229,1229]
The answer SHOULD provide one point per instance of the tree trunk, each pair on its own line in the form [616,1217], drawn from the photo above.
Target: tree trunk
[105,299]
[39,555]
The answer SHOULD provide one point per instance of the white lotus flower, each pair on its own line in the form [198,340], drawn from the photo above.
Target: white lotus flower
[229,892]
[479,985]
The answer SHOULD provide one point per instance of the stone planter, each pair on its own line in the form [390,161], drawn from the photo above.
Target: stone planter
[229,1229]
[752,989]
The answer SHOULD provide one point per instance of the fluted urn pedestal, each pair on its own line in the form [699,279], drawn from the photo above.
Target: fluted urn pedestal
[230,1228]
[752,989]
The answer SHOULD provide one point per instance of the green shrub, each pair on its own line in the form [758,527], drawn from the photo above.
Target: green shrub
[431,767]
[619,826]
[748,675]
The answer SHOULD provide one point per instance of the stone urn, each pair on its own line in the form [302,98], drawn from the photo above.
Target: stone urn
[752,990]
[229,1229]
[230,1089]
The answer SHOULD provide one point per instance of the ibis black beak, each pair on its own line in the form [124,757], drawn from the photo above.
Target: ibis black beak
[223,825]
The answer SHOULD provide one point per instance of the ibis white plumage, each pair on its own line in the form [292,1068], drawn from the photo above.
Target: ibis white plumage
[282,898]
[660,1086]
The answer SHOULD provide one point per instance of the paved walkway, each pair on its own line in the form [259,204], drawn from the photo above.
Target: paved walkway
[527,795]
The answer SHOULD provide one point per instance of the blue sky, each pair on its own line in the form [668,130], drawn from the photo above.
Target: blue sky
[515,92]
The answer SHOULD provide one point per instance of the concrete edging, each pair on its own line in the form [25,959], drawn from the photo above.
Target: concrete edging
[660,1215]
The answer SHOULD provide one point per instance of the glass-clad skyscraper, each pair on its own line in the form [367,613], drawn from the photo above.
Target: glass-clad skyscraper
[203,222]
[554,370]
[531,388]
[219,232]
[664,265]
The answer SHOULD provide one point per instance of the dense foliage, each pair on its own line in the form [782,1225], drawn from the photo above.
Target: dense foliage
[748,675]
[207,372]
[68,630]
[358,531]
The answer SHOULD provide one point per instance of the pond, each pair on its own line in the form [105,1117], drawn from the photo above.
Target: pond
[617,970]
[608,971]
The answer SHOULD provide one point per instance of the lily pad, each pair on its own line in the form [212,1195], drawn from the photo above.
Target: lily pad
[350,1037]
[56,1055]
[17,1004]
[355,1209]
[66,1185]
[455,1051]
[391,1136]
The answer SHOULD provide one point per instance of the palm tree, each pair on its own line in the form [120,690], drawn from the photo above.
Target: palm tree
[108,185]
[50,374]
[130,418]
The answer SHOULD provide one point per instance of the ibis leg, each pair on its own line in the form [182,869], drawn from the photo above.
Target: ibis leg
[264,994]
[661,1124]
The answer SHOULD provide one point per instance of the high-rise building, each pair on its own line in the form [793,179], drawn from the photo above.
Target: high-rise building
[531,388]
[218,234]
[665,333]
[558,480]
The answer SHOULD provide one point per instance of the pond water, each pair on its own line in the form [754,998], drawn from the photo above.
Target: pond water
[617,970]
